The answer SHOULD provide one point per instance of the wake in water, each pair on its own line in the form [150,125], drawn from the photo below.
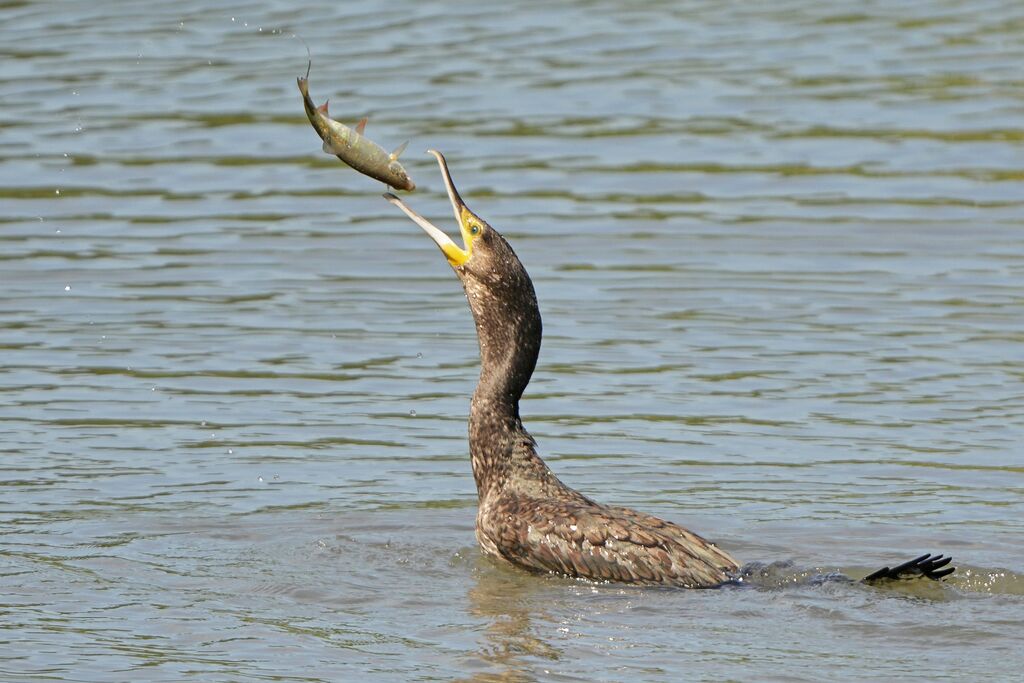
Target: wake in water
[778,574]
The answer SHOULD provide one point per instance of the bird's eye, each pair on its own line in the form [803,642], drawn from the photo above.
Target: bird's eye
[475,230]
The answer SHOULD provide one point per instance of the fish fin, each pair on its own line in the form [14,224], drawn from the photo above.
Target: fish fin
[329,148]
[398,150]
[361,126]
[323,108]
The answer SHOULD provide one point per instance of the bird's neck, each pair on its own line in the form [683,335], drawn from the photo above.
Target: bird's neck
[509,333]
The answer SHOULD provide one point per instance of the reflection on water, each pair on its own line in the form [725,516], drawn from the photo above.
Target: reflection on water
[506,600]
[777,250]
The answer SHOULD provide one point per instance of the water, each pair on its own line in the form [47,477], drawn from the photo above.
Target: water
[778,253]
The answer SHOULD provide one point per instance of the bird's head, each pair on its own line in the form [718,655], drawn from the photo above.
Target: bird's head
[500,295]
[485,260]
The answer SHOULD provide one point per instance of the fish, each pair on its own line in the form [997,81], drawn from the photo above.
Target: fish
[351,146]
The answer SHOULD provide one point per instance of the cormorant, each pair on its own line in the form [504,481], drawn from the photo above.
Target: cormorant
[526,516]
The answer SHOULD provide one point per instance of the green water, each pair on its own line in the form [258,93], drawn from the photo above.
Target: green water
[778,250]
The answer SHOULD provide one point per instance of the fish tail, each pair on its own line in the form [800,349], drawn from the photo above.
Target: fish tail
[303,81]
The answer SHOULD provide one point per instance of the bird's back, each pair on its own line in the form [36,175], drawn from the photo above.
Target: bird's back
[572,535]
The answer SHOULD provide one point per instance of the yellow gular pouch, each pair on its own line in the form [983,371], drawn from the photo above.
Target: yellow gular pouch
[471,228]
[456,257]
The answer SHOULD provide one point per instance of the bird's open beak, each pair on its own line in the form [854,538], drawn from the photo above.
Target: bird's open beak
[455,254]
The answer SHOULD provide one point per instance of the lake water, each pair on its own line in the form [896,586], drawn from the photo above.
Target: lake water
[779,254]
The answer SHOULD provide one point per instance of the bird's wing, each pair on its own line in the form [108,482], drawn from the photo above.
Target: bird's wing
[603,543]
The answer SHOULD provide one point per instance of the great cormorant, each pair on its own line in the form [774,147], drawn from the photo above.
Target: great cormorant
[526,515]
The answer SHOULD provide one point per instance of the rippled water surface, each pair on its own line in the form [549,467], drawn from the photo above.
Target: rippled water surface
[779,254]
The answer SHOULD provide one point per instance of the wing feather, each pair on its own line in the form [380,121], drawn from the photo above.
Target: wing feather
[604,543]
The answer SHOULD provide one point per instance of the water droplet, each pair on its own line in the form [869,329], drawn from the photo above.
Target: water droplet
[230,452]
[58,231]
[260,479]
[56,191]
[412,413]
[67,288]
[419,355]
[201,424]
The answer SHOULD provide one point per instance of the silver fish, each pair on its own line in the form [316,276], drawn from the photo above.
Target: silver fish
[352,147]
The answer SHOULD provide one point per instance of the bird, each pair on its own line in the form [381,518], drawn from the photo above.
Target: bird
[526,516]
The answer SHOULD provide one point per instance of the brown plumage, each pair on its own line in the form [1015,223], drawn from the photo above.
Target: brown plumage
[526,516]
